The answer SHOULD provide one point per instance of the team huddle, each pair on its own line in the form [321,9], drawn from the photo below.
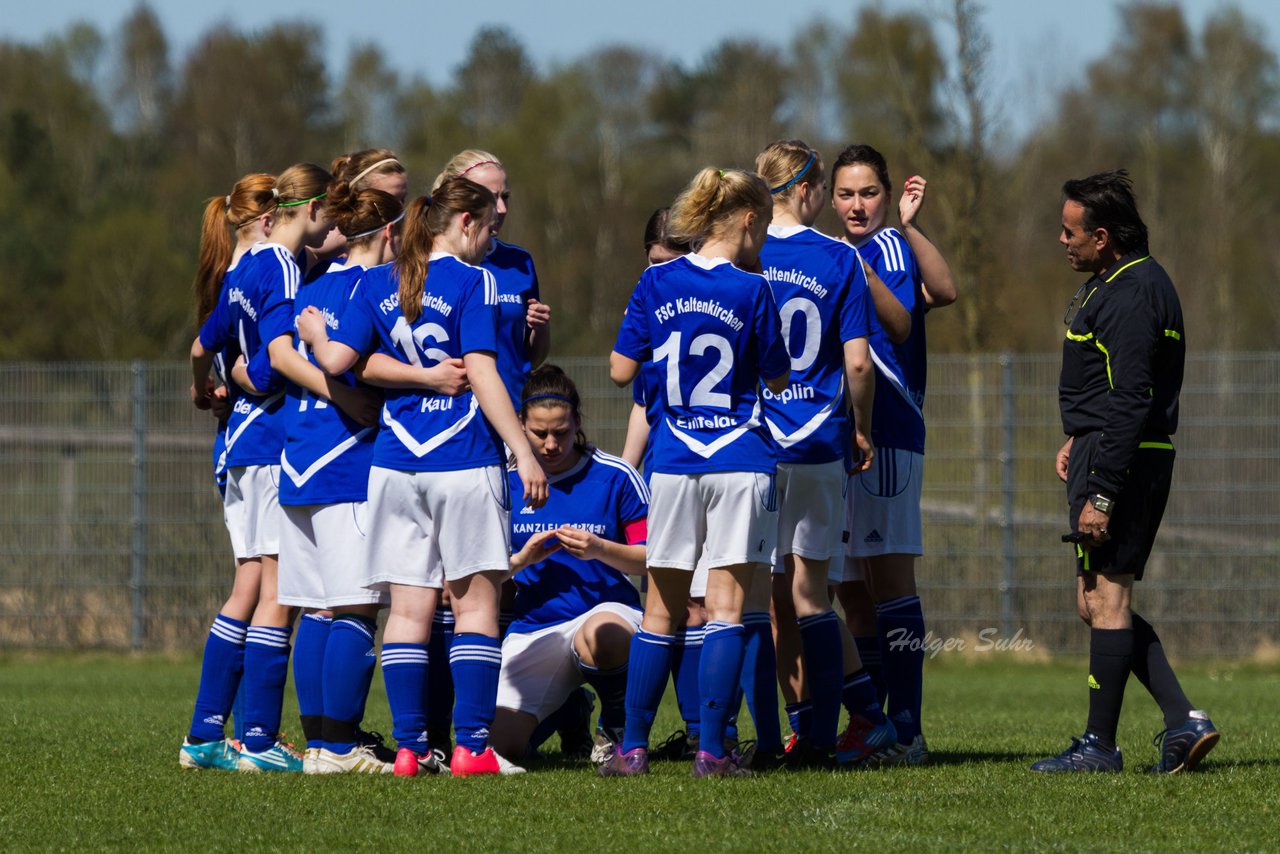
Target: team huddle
[392,438]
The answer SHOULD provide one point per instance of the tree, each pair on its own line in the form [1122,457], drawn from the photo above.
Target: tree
[144,80]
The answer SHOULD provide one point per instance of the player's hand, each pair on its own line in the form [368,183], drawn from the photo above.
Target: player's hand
[1093,522]
[538,314]
[362,405]
[203,397]
[311,327]
[533,478]
[535,549]
[449,377]
[864,452]
[912,199]
[1060,462]
[220,403]
[579,543]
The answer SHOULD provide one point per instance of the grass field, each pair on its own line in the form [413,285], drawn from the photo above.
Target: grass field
[88,760]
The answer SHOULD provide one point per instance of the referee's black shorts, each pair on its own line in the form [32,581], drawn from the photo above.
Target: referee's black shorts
[1138,511]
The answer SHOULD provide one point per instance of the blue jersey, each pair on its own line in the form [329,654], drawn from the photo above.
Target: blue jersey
[712,331]
[823,301]
[600,494]
[512,267]
[423,430]
[256,306]
[326,455]
[898,415]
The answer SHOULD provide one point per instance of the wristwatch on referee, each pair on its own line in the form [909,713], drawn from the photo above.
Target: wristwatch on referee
[1102,503]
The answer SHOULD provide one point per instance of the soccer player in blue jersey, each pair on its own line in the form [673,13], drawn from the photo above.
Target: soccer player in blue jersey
[256,307]
[231,225]
[712,328]
[438,463]
[825,308]
[575,609]
[885,526]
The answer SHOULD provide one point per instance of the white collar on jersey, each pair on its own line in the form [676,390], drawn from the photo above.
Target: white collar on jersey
[704,262]
[787,230]
[435,256]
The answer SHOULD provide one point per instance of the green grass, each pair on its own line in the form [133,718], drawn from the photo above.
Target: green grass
[88,759]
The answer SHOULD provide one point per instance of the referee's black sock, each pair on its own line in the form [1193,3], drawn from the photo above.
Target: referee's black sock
[1110,657]
[1152,669]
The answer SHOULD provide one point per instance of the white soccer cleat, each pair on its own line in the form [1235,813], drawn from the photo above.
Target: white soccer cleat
[506,766]
[359,760]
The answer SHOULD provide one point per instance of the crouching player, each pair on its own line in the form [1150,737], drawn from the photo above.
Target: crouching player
[575,609]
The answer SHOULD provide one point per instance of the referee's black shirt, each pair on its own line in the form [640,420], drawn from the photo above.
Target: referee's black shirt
[1122,365]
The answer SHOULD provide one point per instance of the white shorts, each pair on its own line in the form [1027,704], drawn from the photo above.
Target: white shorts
[425,528]
[811,511]
[698,587]
[714,520]
[884,506]
[251,509]
[322,557]
[540,669]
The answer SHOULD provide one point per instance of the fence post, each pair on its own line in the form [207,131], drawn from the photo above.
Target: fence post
[138,514]
[1007,410]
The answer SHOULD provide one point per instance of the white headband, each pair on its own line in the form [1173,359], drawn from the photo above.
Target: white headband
[383,162]
[376,230]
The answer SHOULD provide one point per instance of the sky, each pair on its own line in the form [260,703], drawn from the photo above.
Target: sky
[1032,40]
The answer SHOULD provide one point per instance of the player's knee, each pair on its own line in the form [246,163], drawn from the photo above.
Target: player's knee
[604,642]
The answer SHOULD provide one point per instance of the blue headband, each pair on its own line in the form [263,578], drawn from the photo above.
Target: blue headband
[561,398]
[796,177]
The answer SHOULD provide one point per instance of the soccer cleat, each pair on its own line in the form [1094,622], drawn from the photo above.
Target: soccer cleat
[376,742]
[862,741]
[803,756]
[706,765]
[633,763]
[602,748]
[309,760]
[1182,747]
[505,766]
[410,764]
[280,757]
[359,760]
[575,733]
[915,753]
[220,754]
[679,745]
[755,759]
[468,764]
[792,741]
[1084,755]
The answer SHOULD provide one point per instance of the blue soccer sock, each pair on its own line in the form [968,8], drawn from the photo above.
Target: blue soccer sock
[868,647]
[760,681]
[308,674]
[440,680]
[686,656]
[220,673]
[476,660]
[404,670]
[824,672]
[860,697]
[800,716]
[611,687]
[647,670]
[266,667]
[901,625]
[349,663]
[723,649]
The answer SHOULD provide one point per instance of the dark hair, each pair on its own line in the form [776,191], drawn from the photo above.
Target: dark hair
[360,212]
[1108,202]
[550,386]
[655,233]
[426,218]
[867,156]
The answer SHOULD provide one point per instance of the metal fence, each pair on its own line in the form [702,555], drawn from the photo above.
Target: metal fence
[113,536]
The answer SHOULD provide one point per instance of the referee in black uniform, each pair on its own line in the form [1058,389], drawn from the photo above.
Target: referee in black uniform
[1122,365]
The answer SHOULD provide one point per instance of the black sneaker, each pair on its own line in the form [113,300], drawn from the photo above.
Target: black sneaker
[678,746]
[375,742]
[1182,747]
[804,756]
[1084,754]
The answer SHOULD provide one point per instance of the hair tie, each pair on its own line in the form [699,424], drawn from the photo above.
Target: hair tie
[721,174]
[375,230]
[796,177]
[478,165]
[352,183]
[275,192]
[227,199]
[558,397]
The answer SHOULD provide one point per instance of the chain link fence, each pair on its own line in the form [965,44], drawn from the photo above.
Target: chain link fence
[113,535]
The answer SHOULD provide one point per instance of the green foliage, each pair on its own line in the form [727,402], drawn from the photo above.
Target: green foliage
[105,134]
[90,762]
